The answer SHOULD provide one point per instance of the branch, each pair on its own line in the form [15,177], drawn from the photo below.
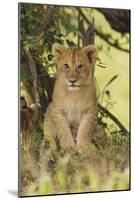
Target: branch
[118,19]
[101,35]
[32,67]
[113,118]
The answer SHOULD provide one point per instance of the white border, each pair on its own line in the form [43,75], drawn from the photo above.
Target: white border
[9,102]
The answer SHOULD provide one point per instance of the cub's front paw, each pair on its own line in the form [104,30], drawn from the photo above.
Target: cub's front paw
[83,145]
[67,144]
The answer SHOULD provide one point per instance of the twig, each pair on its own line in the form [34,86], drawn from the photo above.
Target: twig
[82,30]
[104,37]
[113,118]
[90,33]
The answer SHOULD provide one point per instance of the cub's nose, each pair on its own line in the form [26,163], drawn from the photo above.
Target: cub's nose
[72,80]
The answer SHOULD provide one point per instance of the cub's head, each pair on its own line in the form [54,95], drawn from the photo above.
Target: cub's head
[75,65]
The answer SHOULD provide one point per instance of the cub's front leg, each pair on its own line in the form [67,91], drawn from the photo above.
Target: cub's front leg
[57,125]
[85,131]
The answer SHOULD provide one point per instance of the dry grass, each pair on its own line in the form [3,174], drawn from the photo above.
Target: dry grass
[46,171]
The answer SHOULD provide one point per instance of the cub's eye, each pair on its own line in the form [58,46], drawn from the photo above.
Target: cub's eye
[66,66]
[80,66]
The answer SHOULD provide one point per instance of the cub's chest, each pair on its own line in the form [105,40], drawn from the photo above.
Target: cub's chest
[74,110]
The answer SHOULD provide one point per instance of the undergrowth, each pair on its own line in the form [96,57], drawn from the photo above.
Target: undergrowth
[46,171]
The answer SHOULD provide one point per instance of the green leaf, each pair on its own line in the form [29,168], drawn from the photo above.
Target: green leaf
[111,80]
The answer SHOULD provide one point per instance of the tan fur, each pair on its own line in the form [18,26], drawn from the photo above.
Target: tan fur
[71,116]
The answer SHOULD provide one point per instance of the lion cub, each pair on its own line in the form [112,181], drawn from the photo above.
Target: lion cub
[72,114]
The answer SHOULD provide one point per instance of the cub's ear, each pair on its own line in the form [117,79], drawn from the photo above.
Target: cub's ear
[57,49]
[91,53]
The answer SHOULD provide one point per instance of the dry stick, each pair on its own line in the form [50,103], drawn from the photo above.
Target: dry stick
[104,37]
[82,30]
[90,33]
[117,122]
[32,67]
